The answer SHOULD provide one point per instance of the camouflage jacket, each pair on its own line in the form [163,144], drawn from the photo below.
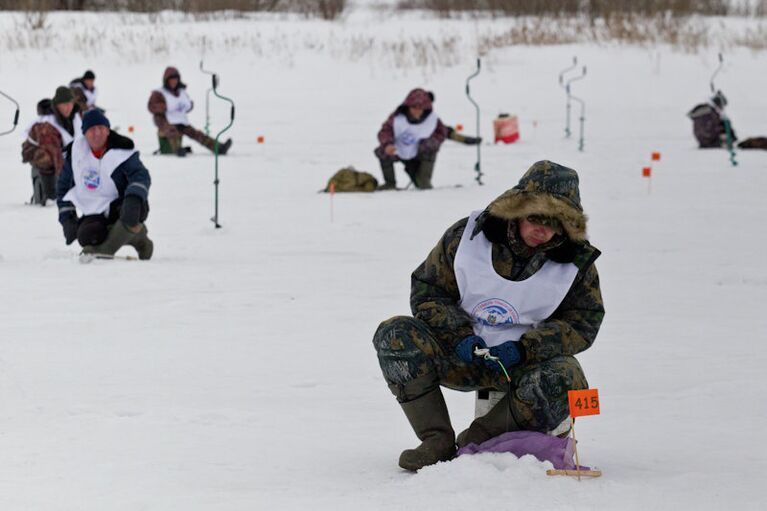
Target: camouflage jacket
[573,327]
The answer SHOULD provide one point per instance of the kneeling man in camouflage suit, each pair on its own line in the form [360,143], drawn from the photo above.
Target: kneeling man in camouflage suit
[517,278]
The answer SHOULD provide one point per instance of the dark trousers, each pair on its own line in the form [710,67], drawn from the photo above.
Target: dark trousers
[94,229]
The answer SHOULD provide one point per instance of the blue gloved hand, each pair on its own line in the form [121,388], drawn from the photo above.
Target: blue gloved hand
[465,348]
[509,353]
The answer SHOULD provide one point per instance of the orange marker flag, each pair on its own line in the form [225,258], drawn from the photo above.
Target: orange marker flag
[459,127]
[130,129]
[646,171]
[655,156]
[583,402]
[260,139]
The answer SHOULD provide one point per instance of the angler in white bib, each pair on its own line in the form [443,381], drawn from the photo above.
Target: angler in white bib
[169,106]
[104,181]
[412,134]
[515,281]
[43,148]
[84,91]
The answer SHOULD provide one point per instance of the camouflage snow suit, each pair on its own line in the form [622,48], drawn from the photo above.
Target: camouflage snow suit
[417,354]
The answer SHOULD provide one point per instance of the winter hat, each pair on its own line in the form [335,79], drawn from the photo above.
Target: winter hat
[94,118]
[418,98]
[63,95]
[547,189]
[89,75]
[44,106]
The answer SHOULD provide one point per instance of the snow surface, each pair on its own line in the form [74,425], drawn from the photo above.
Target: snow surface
[235,370]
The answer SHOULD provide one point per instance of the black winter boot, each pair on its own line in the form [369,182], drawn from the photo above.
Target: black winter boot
[497,421]
[423,175]
[224,148]
[429,419]
[390,181]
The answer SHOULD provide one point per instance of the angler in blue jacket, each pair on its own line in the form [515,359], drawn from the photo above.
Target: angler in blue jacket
[104,181]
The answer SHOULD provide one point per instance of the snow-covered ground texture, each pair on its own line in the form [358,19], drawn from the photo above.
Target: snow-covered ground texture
[235,370]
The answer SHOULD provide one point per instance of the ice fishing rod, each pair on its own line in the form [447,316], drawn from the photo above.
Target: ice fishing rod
[581,102]
[207,92]
[16,115]
[477,166]
[216,181]
[567,91]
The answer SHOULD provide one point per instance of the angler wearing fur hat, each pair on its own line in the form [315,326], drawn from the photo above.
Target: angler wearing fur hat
[518,278]
[58,121]
[84,91]
[412,134]
[104,180]
[169,105]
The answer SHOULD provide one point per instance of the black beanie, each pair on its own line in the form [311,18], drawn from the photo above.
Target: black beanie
[89,75]
[94,118]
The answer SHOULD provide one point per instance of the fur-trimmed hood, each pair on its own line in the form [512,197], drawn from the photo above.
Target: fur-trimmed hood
[546,189]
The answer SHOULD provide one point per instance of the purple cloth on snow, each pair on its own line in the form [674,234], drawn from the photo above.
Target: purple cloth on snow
[559,451]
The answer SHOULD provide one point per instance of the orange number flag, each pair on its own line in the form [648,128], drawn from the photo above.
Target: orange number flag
[583,402]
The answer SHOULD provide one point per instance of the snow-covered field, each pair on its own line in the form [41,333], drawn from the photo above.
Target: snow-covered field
[235,370]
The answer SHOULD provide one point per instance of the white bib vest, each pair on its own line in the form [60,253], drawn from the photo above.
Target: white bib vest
[407,135]
[94,188]
[176,106]
[503,310]
[90,96]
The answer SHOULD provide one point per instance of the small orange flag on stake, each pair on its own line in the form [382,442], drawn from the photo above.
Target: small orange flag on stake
[655,156]
[130,129]
[646,171]
[260,139]
[583,402]
[459,127]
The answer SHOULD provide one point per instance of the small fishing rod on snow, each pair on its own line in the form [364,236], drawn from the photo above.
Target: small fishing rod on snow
[216,181]
[567,91]
[581,102]
[16,115]
[477,166]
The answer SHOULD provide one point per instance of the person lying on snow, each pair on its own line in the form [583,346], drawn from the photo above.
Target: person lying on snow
[518,278]
[104,179]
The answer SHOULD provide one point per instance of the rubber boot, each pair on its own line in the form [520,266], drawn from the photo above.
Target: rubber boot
[118,236]
[497,421]
[429,419]
[462,139]
[143,245]
[224,148]
[390,182]
[423,175]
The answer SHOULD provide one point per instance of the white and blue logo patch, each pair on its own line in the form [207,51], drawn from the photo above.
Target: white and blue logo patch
[91,179]
[495,312]
[407,138]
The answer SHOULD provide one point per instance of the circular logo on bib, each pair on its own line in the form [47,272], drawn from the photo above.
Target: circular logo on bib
[495,312]
[91,179]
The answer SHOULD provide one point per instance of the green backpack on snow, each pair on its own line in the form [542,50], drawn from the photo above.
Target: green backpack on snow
[349,179]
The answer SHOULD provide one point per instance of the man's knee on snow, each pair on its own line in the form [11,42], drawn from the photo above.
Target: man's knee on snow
[92,230]
[405,350]
[540,398]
